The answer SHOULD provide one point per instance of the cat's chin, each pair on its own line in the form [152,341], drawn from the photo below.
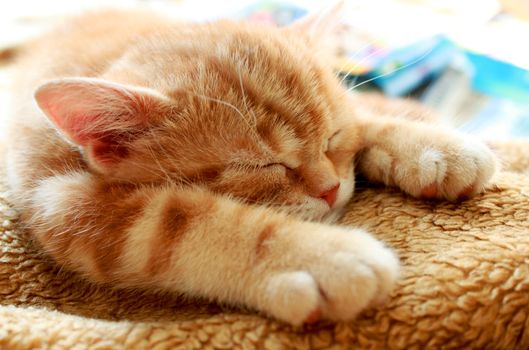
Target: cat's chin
[332,216]
[316,210]
[309,209]
[327,215]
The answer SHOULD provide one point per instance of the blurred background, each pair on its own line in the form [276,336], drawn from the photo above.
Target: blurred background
[466,59]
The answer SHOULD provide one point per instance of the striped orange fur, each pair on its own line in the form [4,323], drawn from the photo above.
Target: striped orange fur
[199,158]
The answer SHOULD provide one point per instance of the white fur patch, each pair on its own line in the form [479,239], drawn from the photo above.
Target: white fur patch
[432,167]
[291,296]
[56,195]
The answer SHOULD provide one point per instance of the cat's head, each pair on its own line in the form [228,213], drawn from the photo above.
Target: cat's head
[246,110]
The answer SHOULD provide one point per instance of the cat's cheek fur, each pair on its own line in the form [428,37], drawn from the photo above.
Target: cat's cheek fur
[346,190]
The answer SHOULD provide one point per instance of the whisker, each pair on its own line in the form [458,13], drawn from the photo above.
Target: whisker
[244,97]
[155,158]
[420,58]
[358,63]
[227,104]
[250,127]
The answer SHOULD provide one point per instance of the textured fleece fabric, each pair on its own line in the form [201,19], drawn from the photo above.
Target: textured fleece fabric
[465,284]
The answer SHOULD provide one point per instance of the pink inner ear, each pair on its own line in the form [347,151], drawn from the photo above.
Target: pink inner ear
[85,109]
[101,117]
[76,127]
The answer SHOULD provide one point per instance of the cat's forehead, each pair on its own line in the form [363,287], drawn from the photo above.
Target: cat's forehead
[279,79]
[244,75]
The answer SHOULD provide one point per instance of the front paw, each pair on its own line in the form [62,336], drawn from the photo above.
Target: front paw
[455,170]
[335,276]
[449,166]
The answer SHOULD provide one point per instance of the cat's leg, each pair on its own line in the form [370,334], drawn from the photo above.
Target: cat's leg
[424,160]
[191,241]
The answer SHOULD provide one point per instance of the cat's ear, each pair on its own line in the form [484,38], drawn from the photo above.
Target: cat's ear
[318,26]
[100,116]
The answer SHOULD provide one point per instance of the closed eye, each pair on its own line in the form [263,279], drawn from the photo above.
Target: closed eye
[330,140]
[277,164]
[271,165]
[284,169]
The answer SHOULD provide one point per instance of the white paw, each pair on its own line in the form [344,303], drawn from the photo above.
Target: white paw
[455,170]
[454,167]
[334,278]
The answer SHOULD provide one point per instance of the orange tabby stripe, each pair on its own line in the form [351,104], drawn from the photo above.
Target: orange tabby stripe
[178,216]
[305,125]
[267,233]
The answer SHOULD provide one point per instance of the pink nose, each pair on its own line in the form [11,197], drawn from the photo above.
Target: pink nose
[330,195]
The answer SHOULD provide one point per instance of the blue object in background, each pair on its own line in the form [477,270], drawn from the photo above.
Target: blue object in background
[500,118]
[407,68]
[499,79]
[507,111]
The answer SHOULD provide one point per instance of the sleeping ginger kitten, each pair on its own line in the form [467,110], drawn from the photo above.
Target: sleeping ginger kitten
[199,158]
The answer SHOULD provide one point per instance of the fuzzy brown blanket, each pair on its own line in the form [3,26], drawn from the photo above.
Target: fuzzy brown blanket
[465,284]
